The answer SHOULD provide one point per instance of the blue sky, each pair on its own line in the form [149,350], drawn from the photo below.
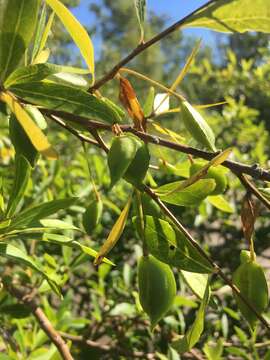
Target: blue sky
[174,9]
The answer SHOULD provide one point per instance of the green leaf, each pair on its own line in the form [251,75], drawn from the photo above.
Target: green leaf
[170,246]
[17,25]
[76,31]
[140,6]
[197,126]
[233,16]
[38,72]
[114,234]
[196,282]
[35,213]
[68,99]
[21,142]
[220,203]
[149,102]
[36,136]
[38,32]
[63,240]
[15,254]
[189,196]
[192,336]
[214,351]
[22,174]
[120,156]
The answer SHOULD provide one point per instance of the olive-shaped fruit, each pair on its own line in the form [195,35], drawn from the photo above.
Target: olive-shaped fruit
[157,287]
[215,173]
[92,215]
[250,280]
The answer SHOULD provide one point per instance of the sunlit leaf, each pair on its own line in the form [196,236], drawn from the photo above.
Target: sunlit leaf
[140,6]
[66,98]
[188,196]
[76,31]
[233,16]
[36,136]
[221,203]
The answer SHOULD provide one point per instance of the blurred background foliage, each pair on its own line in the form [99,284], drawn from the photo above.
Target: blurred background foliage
[102,305]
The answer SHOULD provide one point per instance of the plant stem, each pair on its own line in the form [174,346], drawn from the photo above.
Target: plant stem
[216,268]
[141,47]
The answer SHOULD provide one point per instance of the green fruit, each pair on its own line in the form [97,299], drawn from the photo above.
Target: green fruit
[121,154]
[92,215]
[250,280]
[137,170]
[215,173]
[157,287]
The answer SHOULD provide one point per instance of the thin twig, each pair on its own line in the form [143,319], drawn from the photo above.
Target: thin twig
[252,189]
[73,131]
[143,46]
[215,267]
[236,167]
[29,300]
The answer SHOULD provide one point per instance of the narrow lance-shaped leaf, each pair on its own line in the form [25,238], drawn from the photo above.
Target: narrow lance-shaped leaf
[193,335]
[29,216]
[38,72]
[115,233]
[36,136]
[17,25]
[233,16]
[69,99]
[140,6]
[76,31]
[39,31]
[45,35]
[22,174]
[217,160]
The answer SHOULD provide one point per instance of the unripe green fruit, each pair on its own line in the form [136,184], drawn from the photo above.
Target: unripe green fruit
[92,215]
[137,170]
[157,287]
[212,173]
[250,280]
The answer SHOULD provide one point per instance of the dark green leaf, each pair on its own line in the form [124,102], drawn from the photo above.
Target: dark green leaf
[68,99]
[189,196]
[39,31]
[29,216]
[21,142]
[170,246]
[22,174]
[17,25]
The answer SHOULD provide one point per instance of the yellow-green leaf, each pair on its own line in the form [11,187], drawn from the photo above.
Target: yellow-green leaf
[220,203]
[233,16]
[115,234]
[76,31]
[36,136]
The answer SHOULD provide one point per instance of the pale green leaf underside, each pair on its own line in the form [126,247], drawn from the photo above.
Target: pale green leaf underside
[234,16]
